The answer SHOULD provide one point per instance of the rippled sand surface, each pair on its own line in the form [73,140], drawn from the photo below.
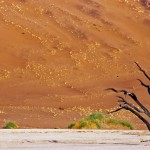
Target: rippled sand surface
[58,56]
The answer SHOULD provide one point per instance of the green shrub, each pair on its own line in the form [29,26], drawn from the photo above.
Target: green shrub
[11,125]
[83,124]
[71,125]
[96,121]
[120,122]
[96,116]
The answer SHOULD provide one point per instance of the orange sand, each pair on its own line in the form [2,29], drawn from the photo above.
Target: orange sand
[58,56]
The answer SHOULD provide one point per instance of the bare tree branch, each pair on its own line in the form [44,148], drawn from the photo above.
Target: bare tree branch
[118,109]
[134,97]
[135,113]
[124,104]
[130,104]
[142,70]
[145,85]
[138,115]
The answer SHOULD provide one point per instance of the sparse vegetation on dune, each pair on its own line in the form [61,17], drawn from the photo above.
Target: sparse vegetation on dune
[98,120]
[11,125]
[120,122]
[96,116]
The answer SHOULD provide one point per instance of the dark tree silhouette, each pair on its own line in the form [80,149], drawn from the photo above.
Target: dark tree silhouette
[124,104]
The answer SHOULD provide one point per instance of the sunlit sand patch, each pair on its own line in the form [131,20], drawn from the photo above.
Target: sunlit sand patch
[4,74]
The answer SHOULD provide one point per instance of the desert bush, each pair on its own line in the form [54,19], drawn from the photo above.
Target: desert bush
[120,122]
[98,120]
[95,116]
[11,125]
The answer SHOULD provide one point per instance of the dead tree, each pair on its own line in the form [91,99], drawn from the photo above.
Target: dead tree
[125,104]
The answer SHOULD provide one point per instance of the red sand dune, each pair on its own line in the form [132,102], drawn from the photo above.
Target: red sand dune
[58,56]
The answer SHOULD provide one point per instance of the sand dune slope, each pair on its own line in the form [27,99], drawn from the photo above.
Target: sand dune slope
[58,56]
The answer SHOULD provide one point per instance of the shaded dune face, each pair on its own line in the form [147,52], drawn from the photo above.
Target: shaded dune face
[63,54]
[145,3]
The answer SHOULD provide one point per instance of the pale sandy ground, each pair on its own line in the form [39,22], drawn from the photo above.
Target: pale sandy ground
[58,56]
[36,139]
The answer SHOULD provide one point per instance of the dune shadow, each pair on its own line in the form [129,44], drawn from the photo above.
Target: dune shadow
[145,3]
